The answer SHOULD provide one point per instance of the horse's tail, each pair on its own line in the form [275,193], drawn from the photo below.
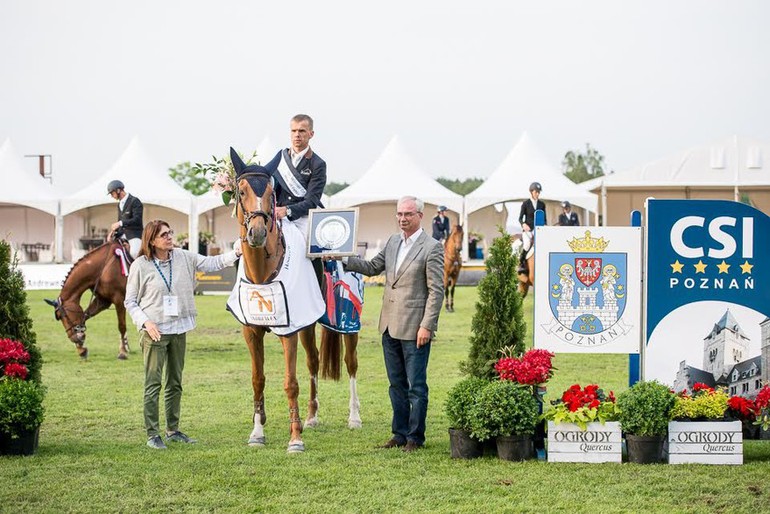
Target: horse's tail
[331,352]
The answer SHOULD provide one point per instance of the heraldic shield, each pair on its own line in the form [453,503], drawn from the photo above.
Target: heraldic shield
[587,290]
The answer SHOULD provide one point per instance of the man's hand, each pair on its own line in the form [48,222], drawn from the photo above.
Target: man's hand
[526,228]
[237,248]
[423,337]
[115,226]
[280,212]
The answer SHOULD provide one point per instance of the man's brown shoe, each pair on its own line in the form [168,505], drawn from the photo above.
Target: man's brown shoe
[392,443]
[411,446]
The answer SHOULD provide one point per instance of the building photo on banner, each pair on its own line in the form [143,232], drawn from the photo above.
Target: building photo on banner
[707,295]
[589,299]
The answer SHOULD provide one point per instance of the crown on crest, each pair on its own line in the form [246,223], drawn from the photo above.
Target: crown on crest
[588,244]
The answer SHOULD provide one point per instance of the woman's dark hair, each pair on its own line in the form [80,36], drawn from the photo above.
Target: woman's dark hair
[151,231]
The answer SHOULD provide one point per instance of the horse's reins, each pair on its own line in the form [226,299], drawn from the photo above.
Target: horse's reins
[269,219]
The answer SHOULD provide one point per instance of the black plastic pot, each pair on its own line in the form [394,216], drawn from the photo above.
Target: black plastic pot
[26,444]
[463,446]
[515,447]
[645,449]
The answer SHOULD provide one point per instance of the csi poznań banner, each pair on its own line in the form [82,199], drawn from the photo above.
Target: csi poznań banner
[588,289]
[708,287]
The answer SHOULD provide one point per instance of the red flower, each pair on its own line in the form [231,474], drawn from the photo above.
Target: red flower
[533,368]
[763,398]
[700,386]
[14,369]
[13,356]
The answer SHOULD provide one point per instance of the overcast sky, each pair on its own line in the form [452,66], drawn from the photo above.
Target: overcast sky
[458,81]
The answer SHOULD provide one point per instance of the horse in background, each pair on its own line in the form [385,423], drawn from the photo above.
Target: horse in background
[526,269]
[453,263]
[102,272]
[263,255]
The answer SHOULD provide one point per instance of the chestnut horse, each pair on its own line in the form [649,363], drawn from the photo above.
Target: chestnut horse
[100,272]
[526,274]
[453,263]
[263,254]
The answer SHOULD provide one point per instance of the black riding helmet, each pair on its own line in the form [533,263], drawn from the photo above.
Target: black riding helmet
[114,185]
[535,186]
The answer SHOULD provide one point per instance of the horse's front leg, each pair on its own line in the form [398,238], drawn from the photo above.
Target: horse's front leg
[291,386]
[254,338]
[123,350]
[351,362]
[307,336]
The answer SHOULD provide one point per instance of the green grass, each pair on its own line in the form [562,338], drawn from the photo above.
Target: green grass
[92,456]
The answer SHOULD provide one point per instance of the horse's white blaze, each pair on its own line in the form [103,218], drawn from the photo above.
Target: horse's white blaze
[354,420]
[257,436]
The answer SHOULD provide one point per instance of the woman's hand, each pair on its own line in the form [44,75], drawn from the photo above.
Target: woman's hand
[237,248]
[152,330]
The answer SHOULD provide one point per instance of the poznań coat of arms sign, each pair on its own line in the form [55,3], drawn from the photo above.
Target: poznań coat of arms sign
[582,300]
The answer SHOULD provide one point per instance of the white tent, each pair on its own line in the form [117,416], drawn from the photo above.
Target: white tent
[732,168]
[144,178]
[17,186]
[524,164]
[29,205]
[393,175]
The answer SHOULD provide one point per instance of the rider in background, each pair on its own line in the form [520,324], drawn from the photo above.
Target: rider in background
[567,218]
[441,225]
[527,219]
[130,211]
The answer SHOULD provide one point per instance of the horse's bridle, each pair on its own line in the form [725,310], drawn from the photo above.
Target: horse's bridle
[269,218]
[62,311]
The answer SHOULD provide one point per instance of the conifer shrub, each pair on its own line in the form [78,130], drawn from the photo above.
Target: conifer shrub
[499,319]
[15,322]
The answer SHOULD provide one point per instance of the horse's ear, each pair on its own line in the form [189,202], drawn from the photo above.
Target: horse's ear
[238,163]
[52,303]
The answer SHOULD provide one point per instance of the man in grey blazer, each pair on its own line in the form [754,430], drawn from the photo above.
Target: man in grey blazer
[413,263]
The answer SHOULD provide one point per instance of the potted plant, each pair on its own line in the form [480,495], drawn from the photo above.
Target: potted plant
[533,369]
[583,427]
[508,412]
[459,402]
[21,413]
[746,411]
[645,410]
[699,432]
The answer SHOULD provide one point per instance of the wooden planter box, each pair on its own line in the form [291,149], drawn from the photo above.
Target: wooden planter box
[598,443]
[705,442]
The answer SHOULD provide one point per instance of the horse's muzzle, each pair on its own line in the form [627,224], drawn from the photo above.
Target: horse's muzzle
[256,236]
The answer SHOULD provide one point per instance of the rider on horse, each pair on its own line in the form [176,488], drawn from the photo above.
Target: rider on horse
[527,220]
[130,211]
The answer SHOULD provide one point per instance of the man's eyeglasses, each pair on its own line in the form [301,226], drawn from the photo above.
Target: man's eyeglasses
[167,234]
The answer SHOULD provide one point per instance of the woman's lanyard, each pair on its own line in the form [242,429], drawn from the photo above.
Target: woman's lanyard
[170,273]
[170,305]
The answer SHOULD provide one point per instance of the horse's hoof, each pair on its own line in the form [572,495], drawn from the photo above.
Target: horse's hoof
[84,356]
[257,442]
[354,424]
[122,357]
[296,447]
[311,422]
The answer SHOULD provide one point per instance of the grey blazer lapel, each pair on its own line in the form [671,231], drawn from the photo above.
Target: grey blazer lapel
[413,253]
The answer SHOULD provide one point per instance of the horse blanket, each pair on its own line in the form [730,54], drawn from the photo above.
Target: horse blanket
[303,297]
